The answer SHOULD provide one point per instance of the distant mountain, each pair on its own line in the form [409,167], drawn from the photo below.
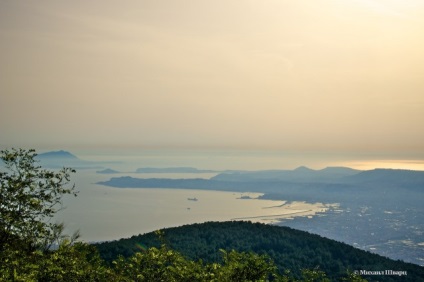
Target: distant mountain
[387,174]
[388,177]
[339,171]
[303,169]
[301,174]
[289,248]
[107,171]
[173,170]
[59,159]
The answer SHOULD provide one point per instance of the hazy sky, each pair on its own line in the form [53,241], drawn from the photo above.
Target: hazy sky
[325,75]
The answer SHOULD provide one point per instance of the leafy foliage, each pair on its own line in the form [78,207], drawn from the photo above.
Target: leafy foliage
[29,196]
[246,267]
[70,262]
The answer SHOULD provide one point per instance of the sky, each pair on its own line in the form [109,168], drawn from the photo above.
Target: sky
[295,75]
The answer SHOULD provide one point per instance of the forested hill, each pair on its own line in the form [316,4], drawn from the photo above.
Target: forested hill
[290,249]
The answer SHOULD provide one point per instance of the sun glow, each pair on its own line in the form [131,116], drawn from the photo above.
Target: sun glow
[391,164]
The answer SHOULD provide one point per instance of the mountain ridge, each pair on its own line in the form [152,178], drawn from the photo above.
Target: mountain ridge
[300,174]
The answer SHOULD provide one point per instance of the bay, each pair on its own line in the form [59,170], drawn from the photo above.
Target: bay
[103,213]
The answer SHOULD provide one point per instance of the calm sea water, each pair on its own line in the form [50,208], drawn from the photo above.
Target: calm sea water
[104,213]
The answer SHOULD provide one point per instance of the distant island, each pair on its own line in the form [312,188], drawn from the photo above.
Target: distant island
[57,155]
[107,171]
[174,170]
[62,158]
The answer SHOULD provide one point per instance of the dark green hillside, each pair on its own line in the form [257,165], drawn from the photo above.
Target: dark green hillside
[290,249]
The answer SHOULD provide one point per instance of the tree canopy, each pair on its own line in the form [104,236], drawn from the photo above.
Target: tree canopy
[29,197]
